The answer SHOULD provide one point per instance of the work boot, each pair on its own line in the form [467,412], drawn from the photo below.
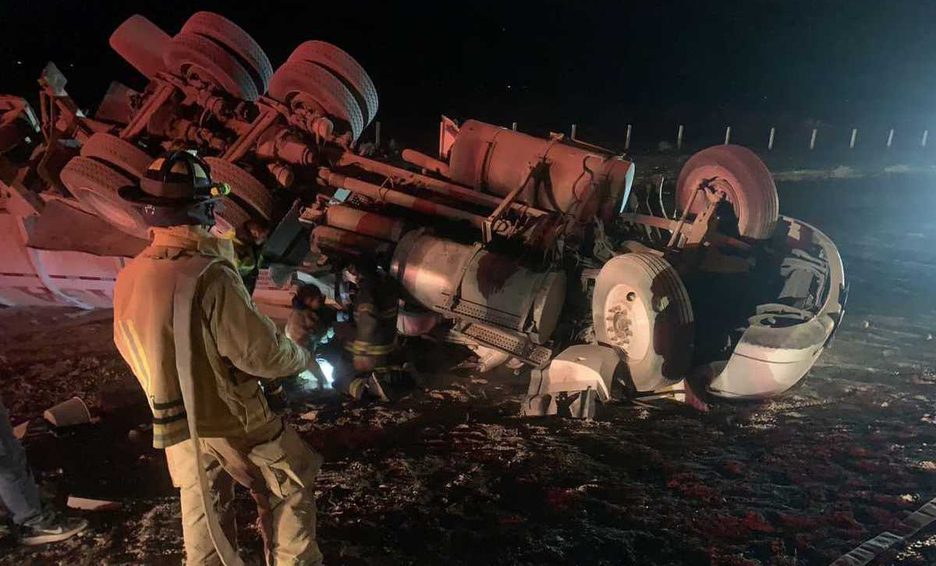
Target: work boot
[357,387]
[50,526]
[367,387]
[375,389]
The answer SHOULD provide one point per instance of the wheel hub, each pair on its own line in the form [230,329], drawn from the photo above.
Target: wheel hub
[627,322]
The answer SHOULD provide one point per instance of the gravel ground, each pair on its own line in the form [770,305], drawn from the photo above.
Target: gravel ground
[451,475]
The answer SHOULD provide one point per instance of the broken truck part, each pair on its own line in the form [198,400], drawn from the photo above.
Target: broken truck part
[541,250]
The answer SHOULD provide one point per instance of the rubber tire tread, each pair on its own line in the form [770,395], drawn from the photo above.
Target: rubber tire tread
[651,266]
[120,152]
[244,185]
[227,72]
[319,83]
[756,203]
[345,67]
[223,30]
[86,173]
[233,214]
[654,266]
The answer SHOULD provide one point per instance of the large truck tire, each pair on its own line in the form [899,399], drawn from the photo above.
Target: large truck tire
[745,180]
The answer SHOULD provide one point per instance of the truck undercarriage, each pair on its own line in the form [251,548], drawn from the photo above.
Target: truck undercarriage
[539,250]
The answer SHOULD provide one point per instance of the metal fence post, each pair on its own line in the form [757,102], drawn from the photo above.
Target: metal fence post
[573,131]
[727,135]
[812,139]
[851,144]
[923,140]
[513,126]
[890,137]
[627,137]
[679,134]
[770,139]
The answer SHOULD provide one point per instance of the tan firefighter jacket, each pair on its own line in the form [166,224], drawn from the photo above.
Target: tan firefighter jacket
[232,344]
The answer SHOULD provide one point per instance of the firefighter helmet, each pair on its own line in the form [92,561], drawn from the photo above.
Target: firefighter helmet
[176,189]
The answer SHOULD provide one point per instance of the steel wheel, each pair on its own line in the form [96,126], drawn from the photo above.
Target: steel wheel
[745,181]
[243,185]
[318,83]
[237,41]
[117,152]
[640,306]
[343,66]
[194,56]
[95,184]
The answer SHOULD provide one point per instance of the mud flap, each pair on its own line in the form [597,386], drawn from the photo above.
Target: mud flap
[576,379]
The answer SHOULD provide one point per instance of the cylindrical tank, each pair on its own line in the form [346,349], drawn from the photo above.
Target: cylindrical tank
[582,182]
[367,223]
[488,287]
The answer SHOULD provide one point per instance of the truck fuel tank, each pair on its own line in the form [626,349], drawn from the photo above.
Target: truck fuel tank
[554,175]
[467,281]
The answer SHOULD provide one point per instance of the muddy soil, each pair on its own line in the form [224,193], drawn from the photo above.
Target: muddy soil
[451,475]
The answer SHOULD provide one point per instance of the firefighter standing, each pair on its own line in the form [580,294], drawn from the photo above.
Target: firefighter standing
[186,325]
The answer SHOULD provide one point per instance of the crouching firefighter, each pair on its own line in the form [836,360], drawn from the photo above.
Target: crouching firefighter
[374,299]
[186,325]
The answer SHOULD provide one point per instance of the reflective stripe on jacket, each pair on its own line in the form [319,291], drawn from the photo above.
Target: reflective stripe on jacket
[376,306]
[232,344]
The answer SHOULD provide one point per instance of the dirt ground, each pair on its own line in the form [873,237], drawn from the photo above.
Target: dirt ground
[452,475]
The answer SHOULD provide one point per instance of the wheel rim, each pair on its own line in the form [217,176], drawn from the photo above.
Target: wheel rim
[743,178]
[627,321]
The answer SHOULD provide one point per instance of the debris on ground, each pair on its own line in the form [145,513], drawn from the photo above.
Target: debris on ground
[452,475]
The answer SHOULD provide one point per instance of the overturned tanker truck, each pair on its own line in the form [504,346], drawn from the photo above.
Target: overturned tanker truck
[532,250]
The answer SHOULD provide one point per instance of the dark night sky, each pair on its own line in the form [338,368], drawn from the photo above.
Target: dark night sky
[549,63]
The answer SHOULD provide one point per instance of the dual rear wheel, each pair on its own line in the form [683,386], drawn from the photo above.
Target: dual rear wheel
[212,49]
[323,76]
[108,163]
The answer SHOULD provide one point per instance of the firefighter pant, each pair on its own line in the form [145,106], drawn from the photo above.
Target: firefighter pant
[279,475]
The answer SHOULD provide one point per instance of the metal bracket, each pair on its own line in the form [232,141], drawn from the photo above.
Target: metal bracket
[487,229]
